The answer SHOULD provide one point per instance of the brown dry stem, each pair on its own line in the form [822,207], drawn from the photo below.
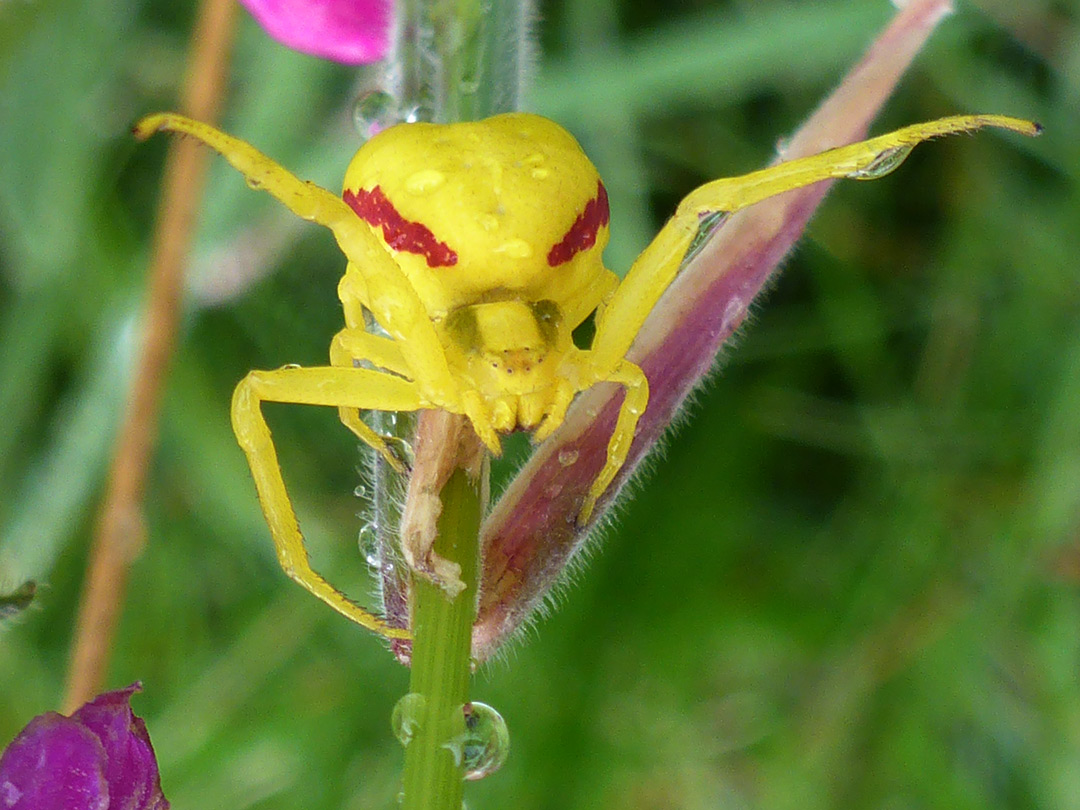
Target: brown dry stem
[119,535]
[444,444]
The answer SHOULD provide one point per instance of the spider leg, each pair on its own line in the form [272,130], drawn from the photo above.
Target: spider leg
[391,301]
[560,402]
[479,414]
[335,387]
[351,345]
[658,265]
[387,292]
[353,292]
[637,397]
[595,296]
[357,344]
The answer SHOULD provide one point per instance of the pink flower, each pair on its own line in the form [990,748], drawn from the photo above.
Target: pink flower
[349,31]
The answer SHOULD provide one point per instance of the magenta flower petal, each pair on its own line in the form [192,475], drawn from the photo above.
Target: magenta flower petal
[131,768]
[100,758]
[50,746]
[349,31]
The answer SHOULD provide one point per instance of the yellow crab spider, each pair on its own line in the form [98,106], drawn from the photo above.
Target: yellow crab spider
[477,247]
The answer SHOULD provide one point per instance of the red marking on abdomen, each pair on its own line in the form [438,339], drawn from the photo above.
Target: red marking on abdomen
[399,233]
[582,234]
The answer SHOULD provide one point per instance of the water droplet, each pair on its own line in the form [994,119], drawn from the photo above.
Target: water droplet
[418,112]
[567,456]
[882,164]
[368,541]
[360,491]
[483,747]
[424,181]
[734,312]
[407,716]
[401,449]
[515,249]
[553,490]
[17,600]
[374,112]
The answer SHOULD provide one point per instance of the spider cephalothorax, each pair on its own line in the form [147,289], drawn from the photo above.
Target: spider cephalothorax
[477,248]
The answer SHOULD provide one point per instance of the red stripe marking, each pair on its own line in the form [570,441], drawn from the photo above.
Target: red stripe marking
[399,233]
[582,234]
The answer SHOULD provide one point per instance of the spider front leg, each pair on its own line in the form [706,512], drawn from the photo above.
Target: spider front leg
[349,346]
[633,379]
[428,367]
[621,320]
[372,279]
[351,388]
[657,266]
[580,372]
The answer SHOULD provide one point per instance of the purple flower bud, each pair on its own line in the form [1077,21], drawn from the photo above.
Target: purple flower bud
[532,535]
[350,31]
[100,758]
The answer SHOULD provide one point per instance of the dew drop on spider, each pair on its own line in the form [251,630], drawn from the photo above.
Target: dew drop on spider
[424,181]
[884,163]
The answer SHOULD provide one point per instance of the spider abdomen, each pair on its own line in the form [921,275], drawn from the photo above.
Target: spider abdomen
[507,204]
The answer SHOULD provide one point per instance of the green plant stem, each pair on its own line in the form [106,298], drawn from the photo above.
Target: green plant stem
[441,664]
[459,60]
[462,60]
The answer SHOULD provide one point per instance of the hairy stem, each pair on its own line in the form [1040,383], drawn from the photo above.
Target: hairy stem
[442,635]
[459,60]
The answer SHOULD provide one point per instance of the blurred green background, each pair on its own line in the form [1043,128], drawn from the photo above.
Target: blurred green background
[850,582]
